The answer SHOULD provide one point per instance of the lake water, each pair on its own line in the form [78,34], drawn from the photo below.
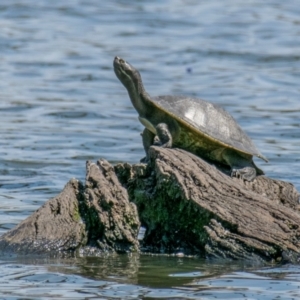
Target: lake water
[61,104]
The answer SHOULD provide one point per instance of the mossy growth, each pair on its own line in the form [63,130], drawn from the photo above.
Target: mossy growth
[173,222]
[76,215]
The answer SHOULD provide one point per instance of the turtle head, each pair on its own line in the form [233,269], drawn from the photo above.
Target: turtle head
[131,79]
[126,73]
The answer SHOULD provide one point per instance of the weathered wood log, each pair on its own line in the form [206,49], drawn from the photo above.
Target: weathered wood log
[55,226]
[92,219]
[186,205]
[113,222]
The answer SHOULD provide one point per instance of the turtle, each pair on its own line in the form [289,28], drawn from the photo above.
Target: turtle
[195,125]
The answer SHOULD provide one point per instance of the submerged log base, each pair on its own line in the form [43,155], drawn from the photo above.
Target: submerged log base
[188,205]
[55,226]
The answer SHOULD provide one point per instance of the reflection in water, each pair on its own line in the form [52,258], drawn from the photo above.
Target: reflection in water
[146,276]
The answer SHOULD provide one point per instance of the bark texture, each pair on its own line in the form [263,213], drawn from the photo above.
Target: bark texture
[189,205]
[113,220]
[55,226]
[90,219]
[186,204]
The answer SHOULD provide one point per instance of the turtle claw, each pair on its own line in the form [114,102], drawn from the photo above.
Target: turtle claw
[246,173]
[156,141]
[160,144]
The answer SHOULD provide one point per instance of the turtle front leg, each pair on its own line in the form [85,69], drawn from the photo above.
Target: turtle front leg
[162,139]
[148,140]
[164,136]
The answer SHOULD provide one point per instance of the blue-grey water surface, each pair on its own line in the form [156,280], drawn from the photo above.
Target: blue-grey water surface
[61,104]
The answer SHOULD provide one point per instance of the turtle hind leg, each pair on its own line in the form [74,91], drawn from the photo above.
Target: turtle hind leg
[241,166]
[246,173]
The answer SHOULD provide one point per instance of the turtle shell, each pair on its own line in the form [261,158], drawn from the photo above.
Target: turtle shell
[207,119]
